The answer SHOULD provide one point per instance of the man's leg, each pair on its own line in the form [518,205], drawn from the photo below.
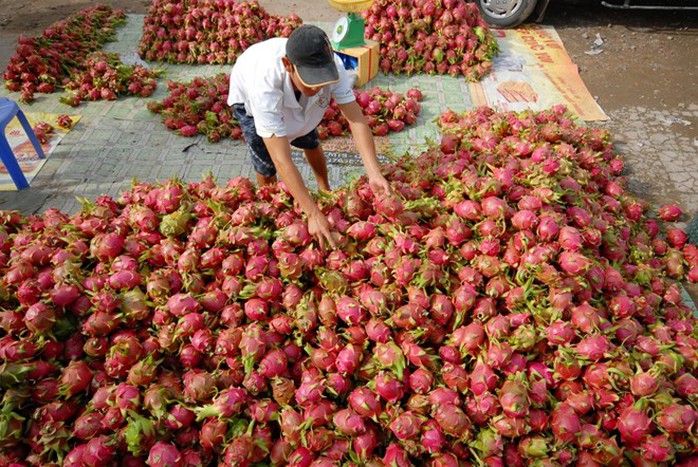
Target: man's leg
[310,144]
[261,160]
[318,164]
[262,180]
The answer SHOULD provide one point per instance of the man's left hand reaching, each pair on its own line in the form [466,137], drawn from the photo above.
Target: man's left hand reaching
[379,184]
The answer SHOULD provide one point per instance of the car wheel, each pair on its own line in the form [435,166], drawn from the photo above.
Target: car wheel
[506,13]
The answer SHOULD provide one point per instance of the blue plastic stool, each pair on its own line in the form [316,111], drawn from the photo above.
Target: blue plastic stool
[8,110]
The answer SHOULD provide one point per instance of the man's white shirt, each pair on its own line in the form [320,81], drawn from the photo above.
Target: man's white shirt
[260,82]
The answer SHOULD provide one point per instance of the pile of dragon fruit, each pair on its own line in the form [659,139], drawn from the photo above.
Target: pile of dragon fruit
[197,107]
[200,106]
[385,112]
[431,36]
[42,63]
[511,304]
[106,77]
[415,36]
[208,31]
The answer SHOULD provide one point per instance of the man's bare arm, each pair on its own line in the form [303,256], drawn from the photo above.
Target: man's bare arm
[363,138]
[318,225]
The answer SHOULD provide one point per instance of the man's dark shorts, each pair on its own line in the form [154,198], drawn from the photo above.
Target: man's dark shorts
[261,160]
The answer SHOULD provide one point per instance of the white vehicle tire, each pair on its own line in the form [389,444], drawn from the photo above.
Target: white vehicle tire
[506,13]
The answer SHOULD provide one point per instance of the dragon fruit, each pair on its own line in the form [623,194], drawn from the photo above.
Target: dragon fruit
[365,402]
[406,426]
[634,424]
[195,324]
[164,454]
[349,422]
[670,213]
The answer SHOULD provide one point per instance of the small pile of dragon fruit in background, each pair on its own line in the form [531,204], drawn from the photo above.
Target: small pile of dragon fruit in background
[200,107]
[197,107]
[106,77]
[512,303]
[208,31]
[415,36]
[66,56]
[431,36]
[419,36]
[42,64]
[385,112]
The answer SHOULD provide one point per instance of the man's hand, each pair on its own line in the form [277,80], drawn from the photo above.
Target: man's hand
[379,184]
[318,225]
[363,138]
[320,228]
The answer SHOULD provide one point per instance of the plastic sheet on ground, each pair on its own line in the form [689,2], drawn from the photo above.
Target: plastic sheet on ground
[533,71]
[27,157]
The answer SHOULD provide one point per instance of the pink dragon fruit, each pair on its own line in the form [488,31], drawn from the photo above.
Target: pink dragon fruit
[350,310]
[164,454]
[365,402]
[388,387]
[565,423]
[594,347]
[396,456]
[670,213]
[634,424]
[432,437]
[514,398]
[349,422]
[677,418]
[451,419]
[406,426]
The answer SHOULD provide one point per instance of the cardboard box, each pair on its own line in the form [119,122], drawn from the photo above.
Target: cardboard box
[364,60]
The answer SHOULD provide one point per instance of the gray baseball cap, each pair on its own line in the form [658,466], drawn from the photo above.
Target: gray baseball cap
[309,49]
